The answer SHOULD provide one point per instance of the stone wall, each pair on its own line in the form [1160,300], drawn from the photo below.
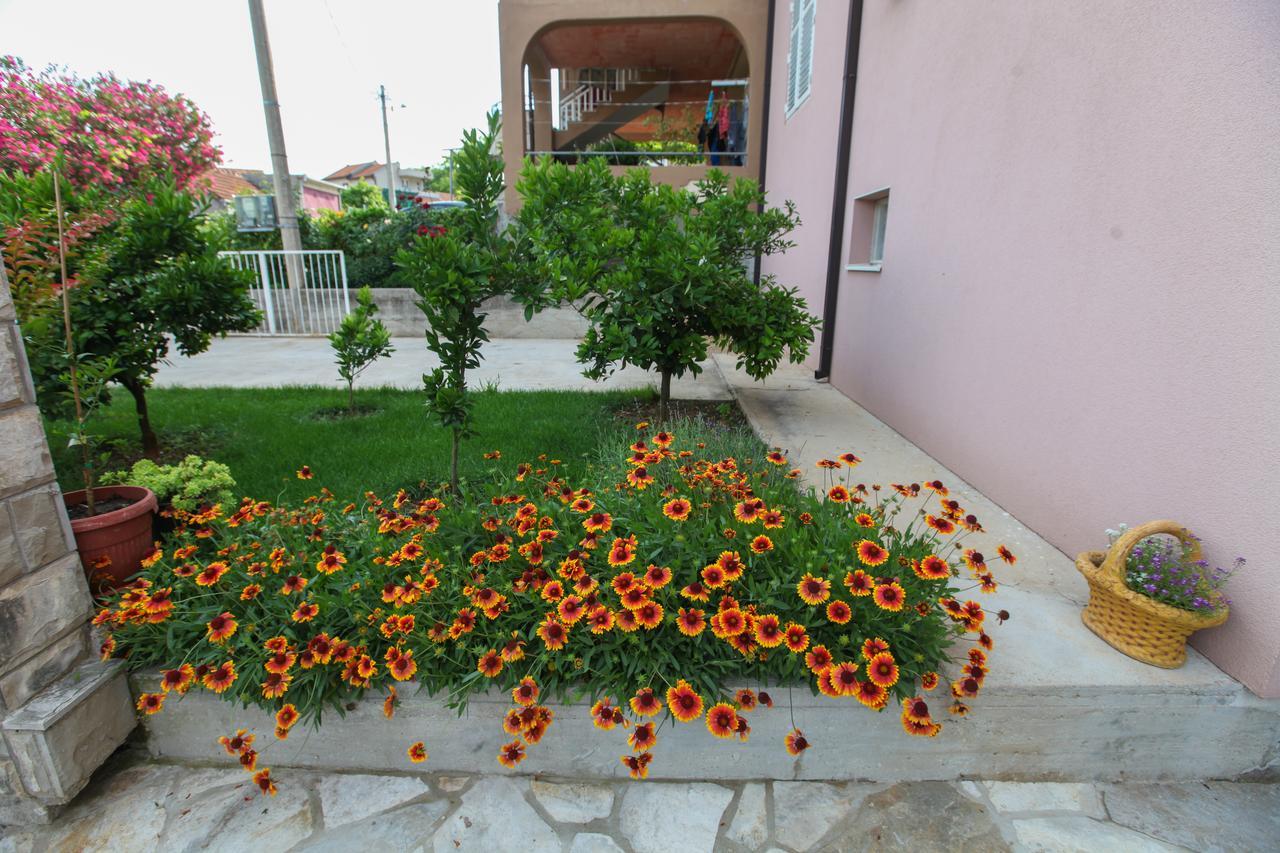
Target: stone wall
[63,712]
[398,311]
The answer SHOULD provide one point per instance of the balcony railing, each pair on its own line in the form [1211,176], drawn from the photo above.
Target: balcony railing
[593,93]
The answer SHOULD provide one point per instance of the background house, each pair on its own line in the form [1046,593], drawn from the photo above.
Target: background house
[579,73]
[224,184]
[409,182]
[310,194]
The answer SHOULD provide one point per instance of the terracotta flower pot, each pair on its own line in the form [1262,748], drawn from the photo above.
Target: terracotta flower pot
[123,536]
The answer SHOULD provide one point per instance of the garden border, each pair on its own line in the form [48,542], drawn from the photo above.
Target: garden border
[1029,733]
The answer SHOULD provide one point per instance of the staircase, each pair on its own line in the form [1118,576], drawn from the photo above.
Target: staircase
[604,100]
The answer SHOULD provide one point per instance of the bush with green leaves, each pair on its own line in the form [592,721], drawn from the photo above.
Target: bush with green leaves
[362,194]
[152,278]
[191,486]
[359,342]
[454,268]
[662,272]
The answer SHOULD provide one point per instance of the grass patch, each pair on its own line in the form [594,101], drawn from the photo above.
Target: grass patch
[265,434]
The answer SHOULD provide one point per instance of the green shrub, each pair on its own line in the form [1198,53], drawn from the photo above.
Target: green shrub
[359,342]
[189,486]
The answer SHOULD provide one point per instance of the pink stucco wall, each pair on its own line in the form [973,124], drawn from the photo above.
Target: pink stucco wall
[1079,308]
[314,199]
[802,151]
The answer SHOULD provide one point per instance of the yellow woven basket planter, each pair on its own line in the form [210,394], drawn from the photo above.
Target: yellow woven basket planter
[1143,629]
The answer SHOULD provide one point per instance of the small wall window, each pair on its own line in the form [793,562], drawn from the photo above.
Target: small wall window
[800,53]
[870,222]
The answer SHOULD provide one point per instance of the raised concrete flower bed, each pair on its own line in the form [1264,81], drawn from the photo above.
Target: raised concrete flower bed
[1050,710]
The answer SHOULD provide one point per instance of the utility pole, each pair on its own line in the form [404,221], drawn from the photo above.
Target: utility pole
[386,140]
[286,212]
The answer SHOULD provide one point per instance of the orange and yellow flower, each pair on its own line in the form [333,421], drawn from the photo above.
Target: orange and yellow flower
[150,703]
[553,633]
[677,509]
[221,627]
[623,551]
[638,765]
[883,670]
[684,702]
[889,596]
[813,590]
[511,754]
[795,742]
[262,778]
[642,737]
[287,717]
[797,638]
[489,664]
[768,631]
[178,680]
[818,659]
[871,554]
[722,720]
[932,568]
[219,678]
[417,752]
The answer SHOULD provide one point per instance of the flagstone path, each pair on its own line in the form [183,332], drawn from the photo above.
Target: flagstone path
[137,805]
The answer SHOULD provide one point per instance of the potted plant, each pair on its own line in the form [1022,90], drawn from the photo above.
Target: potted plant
[112,524]
[1148,595]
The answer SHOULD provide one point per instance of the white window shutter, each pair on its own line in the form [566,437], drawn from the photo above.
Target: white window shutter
[793,53]
[804,65]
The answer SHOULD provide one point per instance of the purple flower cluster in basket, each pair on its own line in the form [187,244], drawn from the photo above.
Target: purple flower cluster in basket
[1161,568]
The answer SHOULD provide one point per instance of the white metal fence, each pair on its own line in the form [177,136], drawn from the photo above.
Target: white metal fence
[299,293]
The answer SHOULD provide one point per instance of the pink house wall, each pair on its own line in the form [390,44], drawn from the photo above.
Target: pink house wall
[1079,308]
[802,151]
[314,199]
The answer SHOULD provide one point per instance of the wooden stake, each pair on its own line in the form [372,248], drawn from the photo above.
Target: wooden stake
[71,349]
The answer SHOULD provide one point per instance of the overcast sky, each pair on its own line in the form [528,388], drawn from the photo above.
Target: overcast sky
[439,58]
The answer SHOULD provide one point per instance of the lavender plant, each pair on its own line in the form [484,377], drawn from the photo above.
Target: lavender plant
[1162,569]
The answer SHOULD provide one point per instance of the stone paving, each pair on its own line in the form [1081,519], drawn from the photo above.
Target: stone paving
[136,805]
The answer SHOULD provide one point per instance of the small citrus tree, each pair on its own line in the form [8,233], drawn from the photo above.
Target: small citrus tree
[359,342]
[151,280]
[454,268]
[661,272]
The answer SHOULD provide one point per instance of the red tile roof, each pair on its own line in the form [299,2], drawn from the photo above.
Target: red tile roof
[355,171]
[226,183]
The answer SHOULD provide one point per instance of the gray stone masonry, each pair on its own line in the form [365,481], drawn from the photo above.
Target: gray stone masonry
[143,806]
[62,716]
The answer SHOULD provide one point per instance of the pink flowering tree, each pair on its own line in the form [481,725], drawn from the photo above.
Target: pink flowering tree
[111,134]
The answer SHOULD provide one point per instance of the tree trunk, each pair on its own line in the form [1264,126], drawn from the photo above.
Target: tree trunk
[351,397]
[453,462]
[664,397]
[150,444]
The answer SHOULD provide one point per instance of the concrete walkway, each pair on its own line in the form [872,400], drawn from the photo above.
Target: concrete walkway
[509,363]
[146,806]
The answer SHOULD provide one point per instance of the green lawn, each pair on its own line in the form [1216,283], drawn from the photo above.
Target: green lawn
[265,435]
